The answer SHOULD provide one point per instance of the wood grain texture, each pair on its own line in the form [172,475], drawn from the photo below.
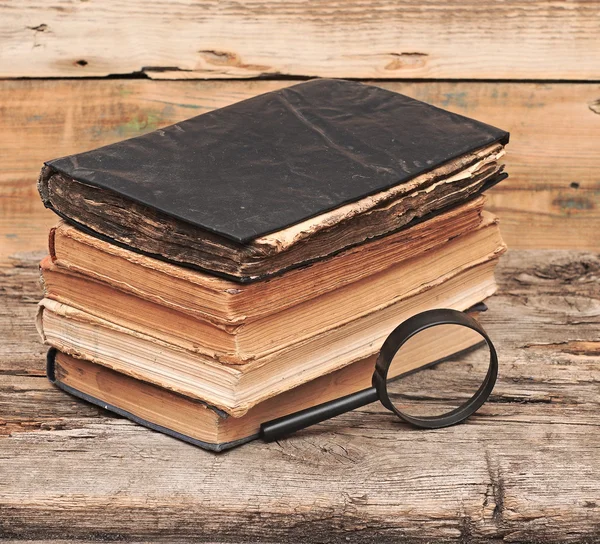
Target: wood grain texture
[551,200]
[539,39]
[526,468]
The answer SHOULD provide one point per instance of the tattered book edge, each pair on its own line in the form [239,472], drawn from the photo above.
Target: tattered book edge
[252,279]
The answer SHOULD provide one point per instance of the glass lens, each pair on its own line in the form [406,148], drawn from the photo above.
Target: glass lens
[437,370]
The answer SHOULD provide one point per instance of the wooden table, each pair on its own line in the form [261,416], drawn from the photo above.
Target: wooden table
[525,468]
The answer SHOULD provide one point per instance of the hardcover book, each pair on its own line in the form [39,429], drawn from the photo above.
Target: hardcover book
[203,425]
[278,180]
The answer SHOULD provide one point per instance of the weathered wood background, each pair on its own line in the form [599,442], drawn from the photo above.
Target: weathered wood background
[523,469]
[537,39]
[75,75]
[551,200]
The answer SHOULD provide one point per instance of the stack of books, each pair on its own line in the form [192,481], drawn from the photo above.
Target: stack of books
[249,262]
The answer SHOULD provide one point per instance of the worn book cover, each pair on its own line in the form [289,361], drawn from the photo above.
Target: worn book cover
[279,180]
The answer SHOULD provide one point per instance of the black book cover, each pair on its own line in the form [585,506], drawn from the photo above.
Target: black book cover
[274,160]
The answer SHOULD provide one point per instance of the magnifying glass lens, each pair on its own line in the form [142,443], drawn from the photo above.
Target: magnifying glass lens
[437,370]
[433,370]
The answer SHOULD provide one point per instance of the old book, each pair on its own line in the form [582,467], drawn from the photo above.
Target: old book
[203,425]
[237,388]
[222,301]
[251,338]
[279,180]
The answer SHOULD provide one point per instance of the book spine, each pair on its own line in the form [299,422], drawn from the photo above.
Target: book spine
[52,244]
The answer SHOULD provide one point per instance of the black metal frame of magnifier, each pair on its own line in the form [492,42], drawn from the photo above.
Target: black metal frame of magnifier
[277,428]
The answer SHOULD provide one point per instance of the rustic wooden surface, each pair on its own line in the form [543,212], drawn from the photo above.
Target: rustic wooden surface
[553,158]
[537,39]
[526,468]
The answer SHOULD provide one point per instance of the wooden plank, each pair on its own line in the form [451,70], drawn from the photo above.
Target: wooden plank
[553,157]
[526,468]
[539,39]
[20,291]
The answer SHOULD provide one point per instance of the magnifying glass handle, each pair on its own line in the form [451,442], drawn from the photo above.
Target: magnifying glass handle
[277,428]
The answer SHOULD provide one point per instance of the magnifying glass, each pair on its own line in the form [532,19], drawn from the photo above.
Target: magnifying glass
[425,388]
